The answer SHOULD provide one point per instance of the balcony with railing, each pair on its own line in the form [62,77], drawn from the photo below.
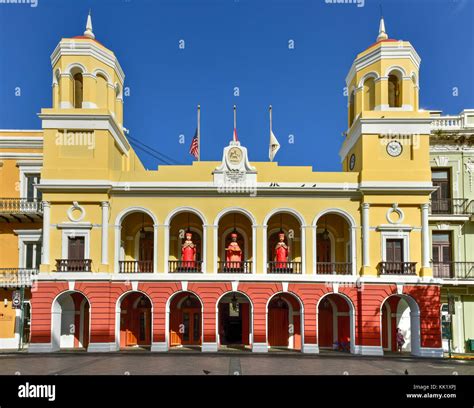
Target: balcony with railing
[17,277]
[284,267]
[21,209]
[185,266]
[397,268]
[73,265]
[451,206]
[334,268]
[453,270]
[234,267]
[464,120]
[135,266]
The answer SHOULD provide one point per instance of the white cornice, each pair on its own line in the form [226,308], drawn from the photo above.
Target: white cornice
[393,50]
[20,142]
[70,46]
[20,155]
[384,126]
[86,122]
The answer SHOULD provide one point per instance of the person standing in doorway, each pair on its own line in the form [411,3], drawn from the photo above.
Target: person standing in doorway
[400,340]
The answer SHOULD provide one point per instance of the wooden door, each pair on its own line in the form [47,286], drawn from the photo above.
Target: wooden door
[325,324]
[75,247]
[143,326]
[442,255]
[441,198]
[394,250]
[191,326]
[278,325]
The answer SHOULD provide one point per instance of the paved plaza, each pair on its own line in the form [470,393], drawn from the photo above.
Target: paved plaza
[225,363]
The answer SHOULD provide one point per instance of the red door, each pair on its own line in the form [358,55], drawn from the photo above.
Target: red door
[325,324]
[278,325]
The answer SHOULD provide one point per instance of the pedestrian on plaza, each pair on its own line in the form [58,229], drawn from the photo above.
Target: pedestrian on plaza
[400,340]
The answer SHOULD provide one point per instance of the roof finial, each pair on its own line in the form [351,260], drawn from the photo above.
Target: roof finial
[88,33]
[382,34]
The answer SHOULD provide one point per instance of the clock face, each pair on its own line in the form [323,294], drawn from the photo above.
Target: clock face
[352,162]
[235,155]
[394,148]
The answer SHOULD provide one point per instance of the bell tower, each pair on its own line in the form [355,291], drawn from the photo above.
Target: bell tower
[387,135]
[83,130]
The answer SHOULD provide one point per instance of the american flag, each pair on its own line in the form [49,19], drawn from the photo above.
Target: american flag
[194,149]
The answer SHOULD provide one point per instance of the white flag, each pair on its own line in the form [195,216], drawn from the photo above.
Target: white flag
[274,146]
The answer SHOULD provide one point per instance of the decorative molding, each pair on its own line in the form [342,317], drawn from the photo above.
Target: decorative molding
[76,207]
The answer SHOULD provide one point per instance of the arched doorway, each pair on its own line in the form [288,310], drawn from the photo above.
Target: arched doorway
[135,320]
[235,241]
[284,322]
[186,242]
[70,321]
[185,320]
[400,312]
[335,319]
[136,243]
[234,320]
[288,258]
[334,251]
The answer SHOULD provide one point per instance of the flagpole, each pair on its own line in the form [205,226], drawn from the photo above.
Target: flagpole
[270,110]
[199,131]
[235,117]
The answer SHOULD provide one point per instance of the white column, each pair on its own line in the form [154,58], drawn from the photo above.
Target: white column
[105,231]
[303,248]
[46,235]
[254,249]
[265,248]
[365,235]
[155,247]
[353,249]
[425,236]
[118,237]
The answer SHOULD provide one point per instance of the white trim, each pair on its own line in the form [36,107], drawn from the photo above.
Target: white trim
[368,350]
[101,347]
[260,348]
[40,348]
[76,47]
[20,142]
[159,346]
[310,348]
[430,352]
[87,122]
[20,155]
[26,236]
[209,347]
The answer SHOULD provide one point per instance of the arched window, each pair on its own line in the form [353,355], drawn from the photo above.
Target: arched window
[394,90]
[101,92]
[78,90]
[369,94]
[351,108]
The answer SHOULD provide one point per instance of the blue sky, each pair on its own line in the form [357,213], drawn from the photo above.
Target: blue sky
[236,43]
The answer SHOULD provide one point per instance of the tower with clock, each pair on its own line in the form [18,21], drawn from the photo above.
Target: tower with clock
[388,135]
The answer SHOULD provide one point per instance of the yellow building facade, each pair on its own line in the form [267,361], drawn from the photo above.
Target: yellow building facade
[102,249]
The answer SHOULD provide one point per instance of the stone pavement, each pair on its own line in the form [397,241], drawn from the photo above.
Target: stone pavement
[224,363]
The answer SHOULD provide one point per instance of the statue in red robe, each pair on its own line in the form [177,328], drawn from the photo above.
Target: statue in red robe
[233,253]
[281,251]
[188,252]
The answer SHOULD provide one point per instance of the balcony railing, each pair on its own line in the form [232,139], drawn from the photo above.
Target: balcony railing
[135,266]
[453,270]
[21,209]
[452,122]
[73,265]
[334,268]
[185,266]
[397,268]
[284,267]
[234,267]
[17,277]
[451,206]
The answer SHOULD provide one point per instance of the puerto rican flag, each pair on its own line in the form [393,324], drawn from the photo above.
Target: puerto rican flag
[194,148]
